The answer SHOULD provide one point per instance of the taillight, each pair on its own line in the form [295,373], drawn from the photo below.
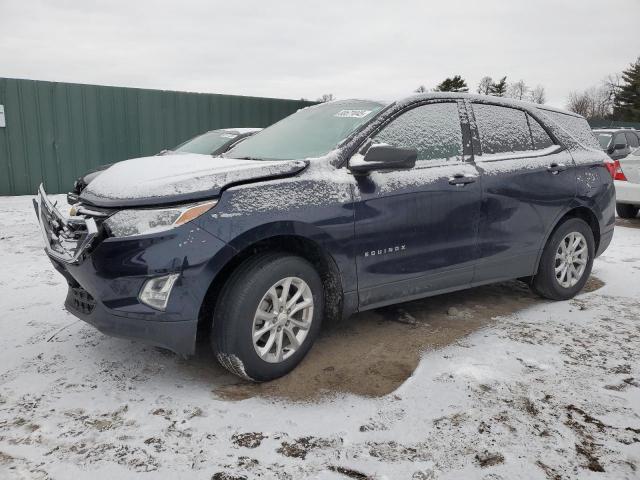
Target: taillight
[617,173]
[611,167]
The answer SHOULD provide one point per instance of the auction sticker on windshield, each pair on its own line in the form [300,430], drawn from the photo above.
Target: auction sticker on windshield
[352,113]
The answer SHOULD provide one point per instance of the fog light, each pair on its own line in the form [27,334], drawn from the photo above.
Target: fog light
[156,291]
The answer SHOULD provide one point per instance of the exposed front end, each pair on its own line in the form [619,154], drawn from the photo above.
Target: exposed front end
[147,286]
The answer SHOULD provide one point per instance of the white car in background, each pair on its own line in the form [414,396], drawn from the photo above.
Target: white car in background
[627,181]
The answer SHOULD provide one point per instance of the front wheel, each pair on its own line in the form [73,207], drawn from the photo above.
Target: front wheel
[267,316]
[566,261]
[626,210]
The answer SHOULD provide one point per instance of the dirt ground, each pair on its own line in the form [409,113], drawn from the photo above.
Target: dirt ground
[374,352]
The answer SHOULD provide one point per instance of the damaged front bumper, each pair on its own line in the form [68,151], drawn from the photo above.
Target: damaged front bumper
[65,238]
[105,274]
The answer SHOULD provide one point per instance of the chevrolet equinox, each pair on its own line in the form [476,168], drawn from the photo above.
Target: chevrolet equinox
[341,207]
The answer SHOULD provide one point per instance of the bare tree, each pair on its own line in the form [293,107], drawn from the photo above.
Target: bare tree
[484,87]
[594,102]
[421,89]
[538,94]
[518,90]
[327,97]
[579,103]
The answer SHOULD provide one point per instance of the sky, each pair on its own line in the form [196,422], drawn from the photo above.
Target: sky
[303,49]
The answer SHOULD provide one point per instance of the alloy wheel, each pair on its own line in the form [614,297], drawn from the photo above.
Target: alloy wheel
[571,259]
[282,319]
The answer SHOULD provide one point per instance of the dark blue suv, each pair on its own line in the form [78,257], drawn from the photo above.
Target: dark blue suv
[341,207]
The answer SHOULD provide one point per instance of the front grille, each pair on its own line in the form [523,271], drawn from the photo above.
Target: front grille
[80,300]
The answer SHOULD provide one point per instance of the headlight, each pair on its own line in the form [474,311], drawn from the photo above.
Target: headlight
[127,223]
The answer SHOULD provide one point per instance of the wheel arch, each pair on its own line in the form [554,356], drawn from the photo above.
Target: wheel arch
[285,241]
[575,211]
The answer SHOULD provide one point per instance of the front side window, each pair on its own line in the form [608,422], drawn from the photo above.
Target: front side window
[310,132]
[502,129]
[433,130]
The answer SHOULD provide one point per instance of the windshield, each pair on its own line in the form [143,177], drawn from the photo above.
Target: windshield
[310,132]
[604,139]
[207,143]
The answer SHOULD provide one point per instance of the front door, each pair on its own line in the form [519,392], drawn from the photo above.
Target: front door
[416,229]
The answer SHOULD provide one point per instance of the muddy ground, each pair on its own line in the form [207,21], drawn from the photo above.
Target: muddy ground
[374,352]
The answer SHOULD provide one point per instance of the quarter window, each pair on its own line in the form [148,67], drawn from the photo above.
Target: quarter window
[502,129]
[433,130]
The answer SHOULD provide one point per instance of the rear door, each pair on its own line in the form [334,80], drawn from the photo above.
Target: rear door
[527,181]
[416,229]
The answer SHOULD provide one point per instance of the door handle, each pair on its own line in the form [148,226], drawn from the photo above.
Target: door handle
[556,168]
[460,179]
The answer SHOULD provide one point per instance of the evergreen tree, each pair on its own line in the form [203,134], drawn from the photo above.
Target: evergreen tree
[421,89]
[626,106]
[455,84]
[499,89]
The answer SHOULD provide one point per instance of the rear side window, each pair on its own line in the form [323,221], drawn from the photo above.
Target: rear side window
[433,130]
[577,127]
[502,129]
[539,136]
[632,140]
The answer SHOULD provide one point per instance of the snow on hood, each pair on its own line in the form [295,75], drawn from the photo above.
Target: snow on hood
[173,178]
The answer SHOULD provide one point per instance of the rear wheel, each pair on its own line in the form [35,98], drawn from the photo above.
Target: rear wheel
[268,316]
[626,210]
[566,261]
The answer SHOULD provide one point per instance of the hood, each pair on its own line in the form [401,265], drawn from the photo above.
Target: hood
[169,179]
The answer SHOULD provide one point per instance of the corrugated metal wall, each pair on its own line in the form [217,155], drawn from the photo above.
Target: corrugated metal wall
[613,124]
[56,131]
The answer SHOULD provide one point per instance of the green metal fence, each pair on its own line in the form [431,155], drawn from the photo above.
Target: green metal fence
[56,131]
[613,124]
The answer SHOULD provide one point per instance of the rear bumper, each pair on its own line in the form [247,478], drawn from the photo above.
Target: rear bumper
[605,240]
[627,192]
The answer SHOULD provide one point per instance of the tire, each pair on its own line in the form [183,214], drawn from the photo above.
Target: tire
[626,210]
[545,282]
[245,306]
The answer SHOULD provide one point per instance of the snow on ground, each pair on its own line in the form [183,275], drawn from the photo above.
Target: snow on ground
[550,391]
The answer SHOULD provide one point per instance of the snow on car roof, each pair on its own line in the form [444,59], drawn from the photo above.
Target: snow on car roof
[507,102]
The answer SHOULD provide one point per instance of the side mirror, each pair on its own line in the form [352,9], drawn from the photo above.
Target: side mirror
[619,146]
[382,156]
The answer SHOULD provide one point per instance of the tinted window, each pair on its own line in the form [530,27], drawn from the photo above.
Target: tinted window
[310,132]
[502,129]
[433,130]
[541,138]
[632,140]
[619,139]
